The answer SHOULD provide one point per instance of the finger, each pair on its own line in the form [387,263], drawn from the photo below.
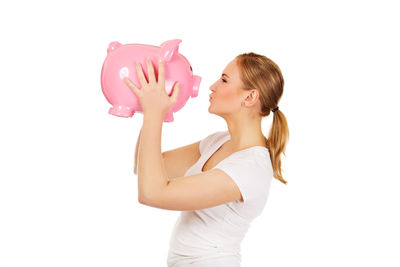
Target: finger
[161,72]
[136,90]
[175,93]
[140,74]
[150,71]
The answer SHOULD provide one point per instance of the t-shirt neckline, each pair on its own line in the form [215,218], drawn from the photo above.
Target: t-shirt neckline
[226,138]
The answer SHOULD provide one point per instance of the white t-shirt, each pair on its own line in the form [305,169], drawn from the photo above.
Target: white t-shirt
[218,231]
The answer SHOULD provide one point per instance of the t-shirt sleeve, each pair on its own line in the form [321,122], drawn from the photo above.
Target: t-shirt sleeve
[206,142]
[252,178]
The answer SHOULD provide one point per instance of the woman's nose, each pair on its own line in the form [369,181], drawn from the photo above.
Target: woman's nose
[212,88]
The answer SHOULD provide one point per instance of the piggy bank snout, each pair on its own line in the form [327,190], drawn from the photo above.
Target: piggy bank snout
[196,85]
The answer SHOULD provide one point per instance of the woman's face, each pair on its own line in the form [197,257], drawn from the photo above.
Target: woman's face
[227,93]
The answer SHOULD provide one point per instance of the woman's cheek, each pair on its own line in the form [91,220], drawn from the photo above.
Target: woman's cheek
[231,97]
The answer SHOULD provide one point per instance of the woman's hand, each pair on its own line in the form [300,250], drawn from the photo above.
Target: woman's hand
[152,95]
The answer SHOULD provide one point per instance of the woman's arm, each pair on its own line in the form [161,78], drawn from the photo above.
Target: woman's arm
[152,177]
[136,152]
[177,161]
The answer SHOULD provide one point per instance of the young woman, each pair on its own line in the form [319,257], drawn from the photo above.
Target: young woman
[221,183]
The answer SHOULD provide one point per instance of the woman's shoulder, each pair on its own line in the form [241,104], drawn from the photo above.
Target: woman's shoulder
[257,156]
[262,157]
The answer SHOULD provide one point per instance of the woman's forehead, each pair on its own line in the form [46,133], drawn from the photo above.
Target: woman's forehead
[231,69]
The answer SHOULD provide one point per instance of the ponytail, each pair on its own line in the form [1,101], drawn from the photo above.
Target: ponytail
[276,143]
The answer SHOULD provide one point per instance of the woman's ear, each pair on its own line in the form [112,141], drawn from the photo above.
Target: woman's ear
[252,97]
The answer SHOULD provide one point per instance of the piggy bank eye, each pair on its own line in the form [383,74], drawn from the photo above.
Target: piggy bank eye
[191,68]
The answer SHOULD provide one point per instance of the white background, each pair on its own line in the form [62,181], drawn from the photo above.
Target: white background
[68,195]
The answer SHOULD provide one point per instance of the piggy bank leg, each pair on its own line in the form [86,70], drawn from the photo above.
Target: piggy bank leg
[169,117]
[121,111]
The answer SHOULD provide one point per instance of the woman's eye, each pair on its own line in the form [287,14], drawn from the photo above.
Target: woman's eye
[224,80]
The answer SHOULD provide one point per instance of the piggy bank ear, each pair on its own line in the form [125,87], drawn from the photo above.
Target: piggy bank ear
[169,49]
[113,46]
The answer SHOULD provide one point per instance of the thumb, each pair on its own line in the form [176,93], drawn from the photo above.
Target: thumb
[175,93]
[137,91]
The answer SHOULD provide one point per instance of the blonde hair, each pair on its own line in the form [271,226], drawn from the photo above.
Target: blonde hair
[260,72]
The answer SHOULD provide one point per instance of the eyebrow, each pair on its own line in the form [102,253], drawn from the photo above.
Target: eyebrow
[225,75]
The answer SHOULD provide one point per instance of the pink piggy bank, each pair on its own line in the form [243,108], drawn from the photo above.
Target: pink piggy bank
[120,63]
